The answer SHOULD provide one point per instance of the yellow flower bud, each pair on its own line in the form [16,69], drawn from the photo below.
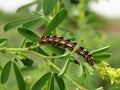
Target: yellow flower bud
[111,73]
[118,71]
[105,64]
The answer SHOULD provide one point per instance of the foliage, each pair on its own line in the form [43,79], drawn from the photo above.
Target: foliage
[56,17]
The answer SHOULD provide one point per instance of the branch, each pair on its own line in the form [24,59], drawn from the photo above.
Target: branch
[58,69]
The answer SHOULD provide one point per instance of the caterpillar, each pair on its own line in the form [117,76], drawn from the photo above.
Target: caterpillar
[66,43]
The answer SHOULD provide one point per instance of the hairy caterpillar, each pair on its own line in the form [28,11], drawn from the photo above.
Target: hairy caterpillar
[65,43]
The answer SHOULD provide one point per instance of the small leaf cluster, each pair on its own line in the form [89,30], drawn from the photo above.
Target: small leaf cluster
[6,72]
[50,78]
[101,54]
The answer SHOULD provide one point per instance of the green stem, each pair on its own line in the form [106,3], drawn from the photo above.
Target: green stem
[52,60]
[9,50]
[55,13]
[16,50]
[49,56]
[58,69]
[23,42]
[56,8]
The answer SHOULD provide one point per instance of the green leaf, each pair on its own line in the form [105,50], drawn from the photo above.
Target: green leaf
[76,47]
[64,69]
[29,44]
[48,6]
[5,72]
[16,23]
[41,51]
[28,34]
[97,61]
[3,42]
[102,56]
[39,6]
[25,6]
[55,21]
[60,82]
[80,41]
[55,49]
[41,82]
[26,61]
[34,24]
[80,70]
[19,78]
[52,83]
[101,50]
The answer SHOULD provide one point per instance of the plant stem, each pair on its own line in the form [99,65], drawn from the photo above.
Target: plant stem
[49,56]
[56,8]
[23,42]
[55,13]
[16,50]
[8,50]
[58,69]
